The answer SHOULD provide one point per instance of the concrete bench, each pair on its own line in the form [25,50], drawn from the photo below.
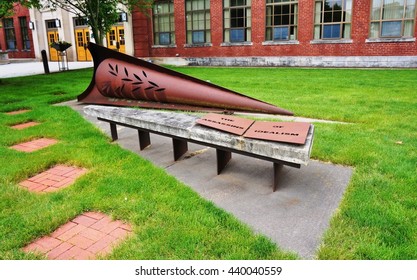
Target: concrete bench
[182,128]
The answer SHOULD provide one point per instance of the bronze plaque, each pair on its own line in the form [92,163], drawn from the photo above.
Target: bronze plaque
[290,132]
[226,123]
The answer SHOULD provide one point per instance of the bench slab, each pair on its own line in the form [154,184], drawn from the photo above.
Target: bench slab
[182,128]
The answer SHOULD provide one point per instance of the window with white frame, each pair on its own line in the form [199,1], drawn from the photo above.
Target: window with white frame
[198,21]
[163,23]
[392,18]
[281,20]
[237,21]
[332,19]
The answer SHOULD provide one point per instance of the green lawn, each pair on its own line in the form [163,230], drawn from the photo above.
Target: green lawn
[376,220]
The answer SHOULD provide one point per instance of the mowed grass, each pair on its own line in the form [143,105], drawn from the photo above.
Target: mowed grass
[377,218]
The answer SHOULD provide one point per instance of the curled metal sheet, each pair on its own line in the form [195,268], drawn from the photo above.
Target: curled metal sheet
[123,80]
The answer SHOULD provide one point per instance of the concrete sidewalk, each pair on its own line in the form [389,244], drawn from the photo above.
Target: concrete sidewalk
[20,68]
[295,216]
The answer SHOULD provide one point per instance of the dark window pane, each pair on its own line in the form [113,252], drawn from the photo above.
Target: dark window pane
[198,37]
[281,33]
[337,16]
[164,38]
[331,31]
[237,35]
[391,29]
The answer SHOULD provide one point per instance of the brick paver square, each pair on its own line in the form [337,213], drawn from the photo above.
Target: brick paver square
[24,125]
[34,145]
[49,181]
[78,239]
[17,112]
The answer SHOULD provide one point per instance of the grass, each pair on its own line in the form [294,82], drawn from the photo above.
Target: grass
[376,220]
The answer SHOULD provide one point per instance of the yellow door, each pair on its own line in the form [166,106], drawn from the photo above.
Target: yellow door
[116,39]
[53,36]
[82,37]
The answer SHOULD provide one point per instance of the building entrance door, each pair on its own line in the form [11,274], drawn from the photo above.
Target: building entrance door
[116,39]
[53,36]
[82,38]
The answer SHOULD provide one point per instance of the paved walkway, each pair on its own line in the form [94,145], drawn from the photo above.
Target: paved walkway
[27,68]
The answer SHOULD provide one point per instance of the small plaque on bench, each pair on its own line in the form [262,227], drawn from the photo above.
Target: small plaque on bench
[290,132]
[226,123]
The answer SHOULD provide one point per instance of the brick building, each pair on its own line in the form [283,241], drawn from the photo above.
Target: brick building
[337,33]
[16,35]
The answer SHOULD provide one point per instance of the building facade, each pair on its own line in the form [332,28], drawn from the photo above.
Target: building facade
[334,33]
[53,25]
[16,35]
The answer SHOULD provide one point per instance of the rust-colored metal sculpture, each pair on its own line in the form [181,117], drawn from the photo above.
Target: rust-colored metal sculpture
[123,80]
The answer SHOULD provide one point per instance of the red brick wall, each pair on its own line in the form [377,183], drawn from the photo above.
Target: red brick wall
[19,52]
[358,47]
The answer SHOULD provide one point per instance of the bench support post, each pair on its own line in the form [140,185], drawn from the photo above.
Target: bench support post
[144,139]
[223,158]
[277,169]
[113,131]
[180,147]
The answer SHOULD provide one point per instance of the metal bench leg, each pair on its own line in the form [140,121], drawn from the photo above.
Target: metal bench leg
[223,158]
[113,131]
[144,139]
[180,148]
[277,169]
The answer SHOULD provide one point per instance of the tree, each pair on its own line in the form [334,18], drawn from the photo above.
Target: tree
[100,14]
[7,7]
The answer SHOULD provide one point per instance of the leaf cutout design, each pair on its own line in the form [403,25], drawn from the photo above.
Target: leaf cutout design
[160,89]
[149,88]
[136,89]
[144,74]
[126,79]
[137,83]
[117,69]
[137,77]
[111,67]
[152,83]
[126,72]
[114,74]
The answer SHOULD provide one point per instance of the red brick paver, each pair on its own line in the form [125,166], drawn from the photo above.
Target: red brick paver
[59,176]
[34,145]
[79,240]
[17,112]
[24,125]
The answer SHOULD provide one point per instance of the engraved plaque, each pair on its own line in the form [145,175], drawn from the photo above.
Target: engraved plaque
[226,123]
[290,132]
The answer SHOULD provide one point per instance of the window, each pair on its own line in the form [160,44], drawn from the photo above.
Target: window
[198,21]
[51,24]
[237,21]
[392,18]
[25,34]
[281,20]
[80,21]
[9,34]
[163,23]
[332,19]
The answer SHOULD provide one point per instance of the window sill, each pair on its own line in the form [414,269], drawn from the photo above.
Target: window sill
[277,43]
[324,41]
[204,45]
[163,46]
[228,44]
[389,40]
